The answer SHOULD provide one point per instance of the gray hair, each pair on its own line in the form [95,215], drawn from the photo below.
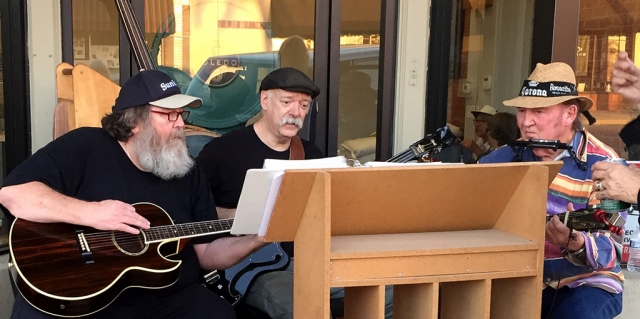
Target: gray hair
[577,123]
[120,124]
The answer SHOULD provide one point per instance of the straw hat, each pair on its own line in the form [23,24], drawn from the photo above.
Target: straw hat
[549,84]
[487,109]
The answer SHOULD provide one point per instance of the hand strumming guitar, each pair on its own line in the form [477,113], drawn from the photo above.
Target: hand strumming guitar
[116,215]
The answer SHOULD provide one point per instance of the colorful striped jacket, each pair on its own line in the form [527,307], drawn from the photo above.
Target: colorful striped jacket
[573,184]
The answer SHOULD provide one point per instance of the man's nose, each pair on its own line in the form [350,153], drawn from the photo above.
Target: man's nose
[295,109]
[527,119]
[179,122]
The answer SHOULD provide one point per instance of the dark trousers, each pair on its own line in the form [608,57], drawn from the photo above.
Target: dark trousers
[583,302]
[194,301]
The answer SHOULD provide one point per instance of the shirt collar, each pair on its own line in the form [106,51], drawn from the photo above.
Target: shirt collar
[579,140]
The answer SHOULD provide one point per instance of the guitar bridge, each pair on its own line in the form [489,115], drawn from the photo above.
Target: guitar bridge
[85,251]
[211,277]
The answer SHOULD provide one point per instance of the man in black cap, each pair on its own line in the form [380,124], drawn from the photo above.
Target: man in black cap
[286,95]
[93,177]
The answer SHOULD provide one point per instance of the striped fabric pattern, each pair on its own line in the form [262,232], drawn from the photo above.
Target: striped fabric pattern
[574,185]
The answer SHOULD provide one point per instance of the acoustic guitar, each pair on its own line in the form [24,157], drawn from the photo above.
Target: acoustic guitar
[70,271]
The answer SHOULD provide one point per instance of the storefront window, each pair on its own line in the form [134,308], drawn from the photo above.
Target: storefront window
[490,57]
[96,36]
[221,50]
[359,66]
[603,32]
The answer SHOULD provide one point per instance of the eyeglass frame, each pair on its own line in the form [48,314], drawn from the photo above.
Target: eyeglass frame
[184,114]
[481,121]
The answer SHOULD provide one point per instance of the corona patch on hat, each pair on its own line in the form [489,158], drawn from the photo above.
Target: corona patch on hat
[549,84]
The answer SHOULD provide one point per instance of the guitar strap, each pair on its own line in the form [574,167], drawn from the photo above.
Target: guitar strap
[296,151]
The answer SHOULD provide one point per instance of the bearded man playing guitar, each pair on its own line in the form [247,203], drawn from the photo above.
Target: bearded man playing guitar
[93,178]
[582,274]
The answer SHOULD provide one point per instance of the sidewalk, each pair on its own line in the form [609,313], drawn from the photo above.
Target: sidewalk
[631,299]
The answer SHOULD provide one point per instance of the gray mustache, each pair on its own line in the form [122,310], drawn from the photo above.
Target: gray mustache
[290,120]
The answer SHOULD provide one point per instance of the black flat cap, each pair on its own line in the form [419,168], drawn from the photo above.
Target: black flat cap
[290,79]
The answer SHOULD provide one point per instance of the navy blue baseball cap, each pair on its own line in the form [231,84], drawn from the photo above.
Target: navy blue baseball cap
[155,88]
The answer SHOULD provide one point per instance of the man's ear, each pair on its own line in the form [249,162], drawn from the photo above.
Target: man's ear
[263,99]
[136,129]
[571,112]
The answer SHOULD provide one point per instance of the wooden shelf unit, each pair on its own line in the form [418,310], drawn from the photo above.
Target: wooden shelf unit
[456,241]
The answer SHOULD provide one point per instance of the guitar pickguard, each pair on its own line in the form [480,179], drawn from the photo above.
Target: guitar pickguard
[238,278]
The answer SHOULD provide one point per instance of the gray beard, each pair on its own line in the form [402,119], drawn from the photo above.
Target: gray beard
[165,159]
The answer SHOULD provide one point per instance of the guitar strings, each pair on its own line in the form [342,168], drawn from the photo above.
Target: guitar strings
[106,238]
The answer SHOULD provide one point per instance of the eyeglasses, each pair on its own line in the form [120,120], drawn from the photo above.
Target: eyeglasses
[173,116]
[479,121]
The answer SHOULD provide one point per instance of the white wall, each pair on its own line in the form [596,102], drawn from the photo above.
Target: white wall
[413,43]
[44,50]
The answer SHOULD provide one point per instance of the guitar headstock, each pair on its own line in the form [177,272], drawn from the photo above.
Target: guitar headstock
[590,219]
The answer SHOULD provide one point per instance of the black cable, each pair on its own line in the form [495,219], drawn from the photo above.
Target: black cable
[555,294]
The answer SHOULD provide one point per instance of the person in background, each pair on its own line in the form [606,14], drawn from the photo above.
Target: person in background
[481,117]
[614,180]
[502,128]
[582,274]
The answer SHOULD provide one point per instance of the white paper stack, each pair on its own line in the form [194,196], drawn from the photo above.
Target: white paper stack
[260,190]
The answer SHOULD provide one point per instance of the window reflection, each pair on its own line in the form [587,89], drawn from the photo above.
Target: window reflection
[221,51]
[359,66]
[603,32]
[96,36]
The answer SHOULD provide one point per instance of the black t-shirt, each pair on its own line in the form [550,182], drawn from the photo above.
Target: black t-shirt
[88,164]
[226,159]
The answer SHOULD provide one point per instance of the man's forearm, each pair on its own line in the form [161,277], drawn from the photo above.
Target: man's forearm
[37,202]
[226,252]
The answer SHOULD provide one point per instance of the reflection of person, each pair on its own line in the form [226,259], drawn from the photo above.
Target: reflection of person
[285,96]
[91,176]
[480,121]
[582,273]
[502,128]
[357,106]
[294,53]
[615,180]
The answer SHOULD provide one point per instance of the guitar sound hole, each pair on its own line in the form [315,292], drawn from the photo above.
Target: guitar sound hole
[129,244]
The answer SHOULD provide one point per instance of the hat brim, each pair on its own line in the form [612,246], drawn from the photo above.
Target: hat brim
[476,113]
[534,102]
[177,101]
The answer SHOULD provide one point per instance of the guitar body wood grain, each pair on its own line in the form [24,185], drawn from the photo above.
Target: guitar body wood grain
[54,276]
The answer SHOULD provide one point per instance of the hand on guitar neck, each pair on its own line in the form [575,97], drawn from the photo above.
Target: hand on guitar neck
[586,219]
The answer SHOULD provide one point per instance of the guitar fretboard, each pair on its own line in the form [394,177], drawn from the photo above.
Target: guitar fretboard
[155,234]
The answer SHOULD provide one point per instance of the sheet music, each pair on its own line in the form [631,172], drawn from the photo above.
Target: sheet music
[260,190]
[394,164]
